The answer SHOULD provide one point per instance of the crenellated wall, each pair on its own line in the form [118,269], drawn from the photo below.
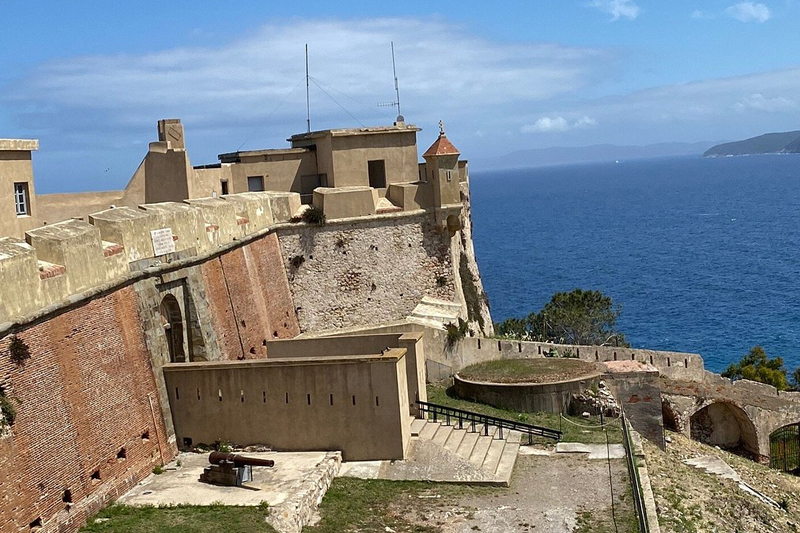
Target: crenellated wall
[59,261]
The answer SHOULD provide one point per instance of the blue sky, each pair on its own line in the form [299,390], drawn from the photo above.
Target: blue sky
[90,79]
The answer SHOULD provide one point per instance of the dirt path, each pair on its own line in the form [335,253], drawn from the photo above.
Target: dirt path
[561,493]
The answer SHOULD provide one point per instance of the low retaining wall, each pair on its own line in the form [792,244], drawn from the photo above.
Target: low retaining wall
[525,397]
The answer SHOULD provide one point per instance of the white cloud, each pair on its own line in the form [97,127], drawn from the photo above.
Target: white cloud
[748,12]
[557,124]
[700,15]
[758,102]
[617,8]
[251,75]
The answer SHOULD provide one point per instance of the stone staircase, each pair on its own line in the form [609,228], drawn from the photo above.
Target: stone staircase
[489,458]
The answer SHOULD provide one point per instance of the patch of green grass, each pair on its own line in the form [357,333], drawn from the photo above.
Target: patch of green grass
[377,506]
[179,519]
[440,393]
[527,370]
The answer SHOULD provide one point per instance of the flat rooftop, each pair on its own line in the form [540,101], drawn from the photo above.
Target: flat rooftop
[376,130]
[19,145]
[235,157]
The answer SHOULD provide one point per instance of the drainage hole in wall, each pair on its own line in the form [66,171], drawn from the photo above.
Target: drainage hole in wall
[122,454]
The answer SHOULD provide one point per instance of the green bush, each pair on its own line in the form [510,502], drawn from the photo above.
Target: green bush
[314,215]
[19,351]
[456,332]
[8,412]
[757,366]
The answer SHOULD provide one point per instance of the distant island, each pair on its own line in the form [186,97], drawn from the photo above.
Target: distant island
[769,143]
[598,153]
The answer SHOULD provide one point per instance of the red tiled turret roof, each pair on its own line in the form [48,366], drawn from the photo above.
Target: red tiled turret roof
[441,146]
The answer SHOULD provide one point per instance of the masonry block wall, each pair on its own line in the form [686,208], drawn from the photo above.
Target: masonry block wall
[88,424]
[367,272]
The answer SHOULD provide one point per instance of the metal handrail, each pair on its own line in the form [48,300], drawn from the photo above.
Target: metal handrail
[477,419]
[633,473]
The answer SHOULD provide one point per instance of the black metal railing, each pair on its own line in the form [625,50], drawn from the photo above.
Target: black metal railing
[633,473]
[478,422]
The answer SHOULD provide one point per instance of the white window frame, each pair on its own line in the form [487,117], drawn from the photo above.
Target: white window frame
[21,199]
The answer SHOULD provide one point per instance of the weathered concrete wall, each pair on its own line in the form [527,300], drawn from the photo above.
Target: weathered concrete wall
[86,404]
[412,343]
[637,388]
[525,397]
[354,404]
[365,271]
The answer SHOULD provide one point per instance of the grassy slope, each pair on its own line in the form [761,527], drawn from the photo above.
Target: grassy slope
[690,500]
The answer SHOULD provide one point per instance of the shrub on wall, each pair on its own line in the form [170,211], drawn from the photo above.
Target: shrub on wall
[314,215]
[18,351]
[8,412]
[456,332]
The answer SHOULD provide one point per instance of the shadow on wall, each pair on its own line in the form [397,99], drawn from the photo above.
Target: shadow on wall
[726,425]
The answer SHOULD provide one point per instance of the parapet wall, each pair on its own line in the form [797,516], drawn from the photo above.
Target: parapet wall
[61,260]
[355,404]
[444,360]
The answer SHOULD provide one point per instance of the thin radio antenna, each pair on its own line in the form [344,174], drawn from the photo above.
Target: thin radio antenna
[396,86]
[396,102]
[308,98]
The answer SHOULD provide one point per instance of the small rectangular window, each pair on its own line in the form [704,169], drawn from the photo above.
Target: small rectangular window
[255,183]
[21,199]
[224,186]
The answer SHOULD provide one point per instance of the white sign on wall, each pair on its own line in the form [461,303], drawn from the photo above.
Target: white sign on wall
[163,243]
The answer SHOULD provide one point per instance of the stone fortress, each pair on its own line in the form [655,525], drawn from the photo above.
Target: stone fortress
[195,306]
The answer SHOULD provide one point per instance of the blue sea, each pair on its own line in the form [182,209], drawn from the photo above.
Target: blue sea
[702,254]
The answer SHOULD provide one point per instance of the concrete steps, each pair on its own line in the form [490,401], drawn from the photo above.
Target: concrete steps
[493,456]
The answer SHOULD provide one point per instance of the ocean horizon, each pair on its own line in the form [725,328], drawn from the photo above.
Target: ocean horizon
[700,253]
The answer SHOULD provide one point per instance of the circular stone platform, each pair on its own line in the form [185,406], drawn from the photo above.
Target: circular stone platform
[527,385]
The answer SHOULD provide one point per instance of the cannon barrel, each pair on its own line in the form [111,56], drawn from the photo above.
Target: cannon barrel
[216,458]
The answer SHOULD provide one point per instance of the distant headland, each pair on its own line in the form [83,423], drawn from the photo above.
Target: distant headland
[769,143]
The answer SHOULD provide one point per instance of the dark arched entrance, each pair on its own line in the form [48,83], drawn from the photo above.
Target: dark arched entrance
[672,420]
[784,449]
[172,321]
[725,425]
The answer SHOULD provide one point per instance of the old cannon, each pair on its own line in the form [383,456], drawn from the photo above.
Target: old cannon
[231,469]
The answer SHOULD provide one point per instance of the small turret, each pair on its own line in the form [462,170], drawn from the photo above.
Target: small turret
[441,169]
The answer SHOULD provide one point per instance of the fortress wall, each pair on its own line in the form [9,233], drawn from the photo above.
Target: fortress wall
[86,393]
[355,404]
[472,350]
[62,260]
[250,304]
[365,271]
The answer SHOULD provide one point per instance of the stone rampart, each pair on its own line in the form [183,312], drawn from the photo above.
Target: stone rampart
[61,260]
[674,365]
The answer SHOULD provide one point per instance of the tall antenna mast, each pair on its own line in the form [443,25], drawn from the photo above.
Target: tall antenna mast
[396,86]
[308,99]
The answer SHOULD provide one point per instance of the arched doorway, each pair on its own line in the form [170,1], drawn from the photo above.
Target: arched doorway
[172,321]
[726,425]
[784,449]
[672,420]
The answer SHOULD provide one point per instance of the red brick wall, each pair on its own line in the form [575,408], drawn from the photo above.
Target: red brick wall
[87,391]
[250,300]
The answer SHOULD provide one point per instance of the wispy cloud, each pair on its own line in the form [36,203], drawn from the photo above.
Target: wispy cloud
[238,84]
[701,15]
[758,102]
[557,124]
[749,12]
[617,8]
